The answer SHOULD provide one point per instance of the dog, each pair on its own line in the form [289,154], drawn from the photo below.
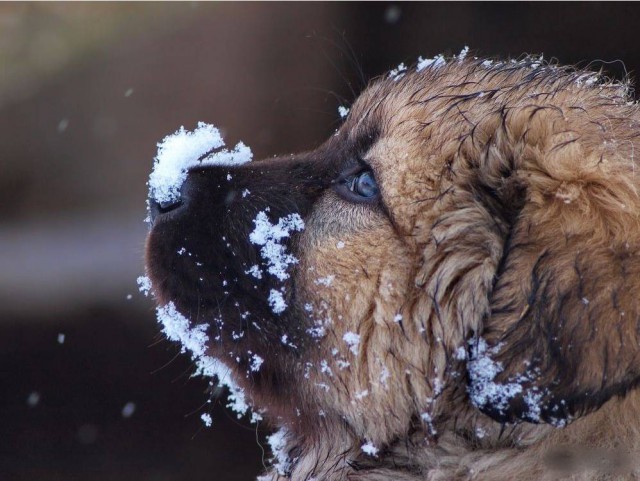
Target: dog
[446,289]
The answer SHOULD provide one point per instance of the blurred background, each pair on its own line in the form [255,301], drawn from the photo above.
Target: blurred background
[89,390]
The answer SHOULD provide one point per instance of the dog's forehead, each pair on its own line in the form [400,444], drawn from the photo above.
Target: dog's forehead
[403,110]
[447,102]
[389,101]
[400,113]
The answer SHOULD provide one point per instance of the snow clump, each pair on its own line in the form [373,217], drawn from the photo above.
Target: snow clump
[144,285]
[254,271]
[482,372]
[256,362]
[278,443]
[269,237]
[277,302]
[353,340]
[343,111]
[463,53]
[484,391]
[428,420]
[439,60]
[206,419]
[274,254]
[435,62]
[398,72]
[182,150]
[369,448]
[194,340]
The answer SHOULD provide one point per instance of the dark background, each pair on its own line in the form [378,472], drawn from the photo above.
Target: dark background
[86,91]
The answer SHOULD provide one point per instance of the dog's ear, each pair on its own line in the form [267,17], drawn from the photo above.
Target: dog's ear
[563,332]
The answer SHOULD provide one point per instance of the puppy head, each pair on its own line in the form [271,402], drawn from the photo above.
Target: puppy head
[471,228]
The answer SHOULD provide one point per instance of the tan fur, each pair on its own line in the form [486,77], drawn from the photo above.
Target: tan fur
[483,169]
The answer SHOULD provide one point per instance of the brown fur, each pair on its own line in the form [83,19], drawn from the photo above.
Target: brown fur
[510,213]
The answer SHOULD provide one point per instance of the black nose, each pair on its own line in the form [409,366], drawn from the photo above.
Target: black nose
[159,208]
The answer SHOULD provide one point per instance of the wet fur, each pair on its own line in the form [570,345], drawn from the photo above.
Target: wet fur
[510,213]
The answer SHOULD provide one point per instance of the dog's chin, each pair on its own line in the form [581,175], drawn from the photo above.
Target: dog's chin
[243,331]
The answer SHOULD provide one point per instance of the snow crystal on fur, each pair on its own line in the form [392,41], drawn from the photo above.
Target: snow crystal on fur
[484,391]
[269,237]
[193,339]
[278,443]
[370,449]
[353,340]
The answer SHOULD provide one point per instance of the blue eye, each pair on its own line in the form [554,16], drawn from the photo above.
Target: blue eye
[364,185]
[357,184]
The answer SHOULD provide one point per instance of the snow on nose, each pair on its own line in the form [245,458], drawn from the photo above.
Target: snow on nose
[181,151]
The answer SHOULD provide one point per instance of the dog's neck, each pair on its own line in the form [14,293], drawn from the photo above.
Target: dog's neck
[474,447]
